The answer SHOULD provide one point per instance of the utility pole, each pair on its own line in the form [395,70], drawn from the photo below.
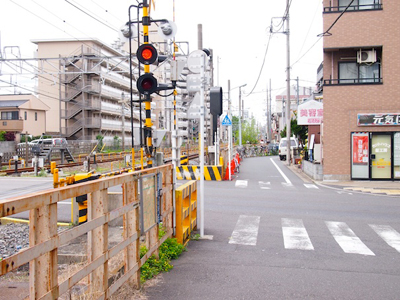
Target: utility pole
[288,123]
[229,128]
[298,91]
[268,117]
[240,114]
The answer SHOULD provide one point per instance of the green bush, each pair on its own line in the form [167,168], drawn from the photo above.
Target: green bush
[168,250]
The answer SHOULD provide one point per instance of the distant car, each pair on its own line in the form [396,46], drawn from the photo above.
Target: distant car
[54,142]
[294,144]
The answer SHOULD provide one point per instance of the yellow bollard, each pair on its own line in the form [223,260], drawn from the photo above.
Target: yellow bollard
[55,178]
[52,166]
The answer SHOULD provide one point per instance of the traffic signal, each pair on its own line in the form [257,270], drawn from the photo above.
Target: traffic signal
[216,100]
[147,84]
[147,54]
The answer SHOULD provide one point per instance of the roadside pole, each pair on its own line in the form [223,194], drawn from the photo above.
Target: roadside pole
[201,137]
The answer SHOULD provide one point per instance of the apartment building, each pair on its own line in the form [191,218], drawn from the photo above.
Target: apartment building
[361,126]
[90,96]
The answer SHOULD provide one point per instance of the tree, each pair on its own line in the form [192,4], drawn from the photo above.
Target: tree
[298,130]
[249,130]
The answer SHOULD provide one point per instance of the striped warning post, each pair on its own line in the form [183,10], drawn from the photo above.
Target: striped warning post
[193,173]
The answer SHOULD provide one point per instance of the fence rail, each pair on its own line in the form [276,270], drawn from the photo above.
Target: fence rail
[44,239]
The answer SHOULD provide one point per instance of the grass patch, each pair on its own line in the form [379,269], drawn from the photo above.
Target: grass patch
[168,250]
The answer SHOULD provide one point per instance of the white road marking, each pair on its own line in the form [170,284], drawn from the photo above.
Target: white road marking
[287,184]
[295,235]
[246,231]
[388,234]
[311,186]
[263,185]
[280,171]
[345,193]
[347,239]
[241,183]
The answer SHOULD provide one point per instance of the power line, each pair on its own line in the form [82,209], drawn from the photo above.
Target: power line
[306,51]
[327,33]
[262,66]
[106,10]
[91,16]
[309,28]
[30,90]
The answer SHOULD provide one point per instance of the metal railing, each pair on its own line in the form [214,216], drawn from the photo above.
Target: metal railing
[354,81]
[373,5]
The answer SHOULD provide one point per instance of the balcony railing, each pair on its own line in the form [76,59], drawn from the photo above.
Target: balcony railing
[355,81]
[373,5]
[11,125]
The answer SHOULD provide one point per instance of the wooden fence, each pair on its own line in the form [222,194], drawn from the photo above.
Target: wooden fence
[147,200]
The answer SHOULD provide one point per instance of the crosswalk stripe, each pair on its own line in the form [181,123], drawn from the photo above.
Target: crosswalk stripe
[347,239]
[295,235]
[388,234]
[241,183]
[246,231]
[311,186]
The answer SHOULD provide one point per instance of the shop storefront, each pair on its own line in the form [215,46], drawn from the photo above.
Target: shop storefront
[376,155]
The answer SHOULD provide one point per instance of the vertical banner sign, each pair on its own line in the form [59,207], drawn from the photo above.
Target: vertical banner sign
[360,150]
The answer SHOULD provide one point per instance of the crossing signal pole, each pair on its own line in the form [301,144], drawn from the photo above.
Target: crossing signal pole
[147,84]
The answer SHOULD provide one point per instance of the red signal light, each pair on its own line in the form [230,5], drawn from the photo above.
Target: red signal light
[147,84]
[146,54]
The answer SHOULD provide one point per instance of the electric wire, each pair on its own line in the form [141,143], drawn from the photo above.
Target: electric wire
[30,90]
[306,52]
[327,33]
[309,28]
[262,66]
[105,10]
[88,14]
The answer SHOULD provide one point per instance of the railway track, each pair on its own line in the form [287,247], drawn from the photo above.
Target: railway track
[80,163]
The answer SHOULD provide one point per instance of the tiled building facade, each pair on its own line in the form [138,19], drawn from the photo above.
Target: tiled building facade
[361,130]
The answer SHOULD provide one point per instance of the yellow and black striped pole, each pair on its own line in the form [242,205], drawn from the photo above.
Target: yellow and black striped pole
[148,124]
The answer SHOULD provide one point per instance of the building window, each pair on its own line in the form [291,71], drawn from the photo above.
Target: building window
[9,115]
[359,4]
[352,72]
[26,116]
[35,116]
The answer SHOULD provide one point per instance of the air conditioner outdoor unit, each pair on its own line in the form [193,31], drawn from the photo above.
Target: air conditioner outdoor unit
[366,56]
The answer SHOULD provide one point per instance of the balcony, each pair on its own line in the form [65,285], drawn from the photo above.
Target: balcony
[11,125]
[353,81]
[340,6]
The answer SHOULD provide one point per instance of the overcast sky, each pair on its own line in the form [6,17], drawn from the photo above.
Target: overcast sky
[237,31]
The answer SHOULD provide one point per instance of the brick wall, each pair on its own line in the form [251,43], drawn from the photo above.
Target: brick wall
[343,103]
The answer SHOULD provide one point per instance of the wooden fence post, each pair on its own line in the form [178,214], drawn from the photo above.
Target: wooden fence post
[43,271]
[131,226]
[98,241]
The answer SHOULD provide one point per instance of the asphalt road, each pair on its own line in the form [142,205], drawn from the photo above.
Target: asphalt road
[278,237]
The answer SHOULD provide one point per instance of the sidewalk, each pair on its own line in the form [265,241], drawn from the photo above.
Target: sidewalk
[390,188]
